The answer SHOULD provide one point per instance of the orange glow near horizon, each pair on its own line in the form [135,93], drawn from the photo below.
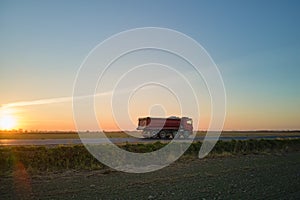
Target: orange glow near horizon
[7,120]
[59,117]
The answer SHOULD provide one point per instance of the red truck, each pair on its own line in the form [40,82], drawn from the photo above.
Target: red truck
[166,127]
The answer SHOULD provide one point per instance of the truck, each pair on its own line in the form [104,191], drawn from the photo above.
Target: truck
[163,128]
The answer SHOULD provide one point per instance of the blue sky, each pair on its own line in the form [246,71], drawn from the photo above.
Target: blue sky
[255,44]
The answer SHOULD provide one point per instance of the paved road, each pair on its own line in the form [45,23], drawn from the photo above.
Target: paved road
[43,142]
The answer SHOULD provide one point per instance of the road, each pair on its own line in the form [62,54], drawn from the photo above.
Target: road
[46,142]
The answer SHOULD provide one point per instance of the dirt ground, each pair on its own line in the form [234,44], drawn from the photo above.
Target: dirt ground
[233,177]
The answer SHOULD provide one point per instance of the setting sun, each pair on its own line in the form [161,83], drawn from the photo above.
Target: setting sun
[7,122]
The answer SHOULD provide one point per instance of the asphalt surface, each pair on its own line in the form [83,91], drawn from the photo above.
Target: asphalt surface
[46,142]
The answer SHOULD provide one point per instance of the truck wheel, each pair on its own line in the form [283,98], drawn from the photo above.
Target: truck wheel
[186,135]
[162,135]
[175,135]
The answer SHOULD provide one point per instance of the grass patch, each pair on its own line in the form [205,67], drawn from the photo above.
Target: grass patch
[60,158]
[15,134]
[38,159]
[59,135]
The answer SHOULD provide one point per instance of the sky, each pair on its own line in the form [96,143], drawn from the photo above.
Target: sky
[255,45]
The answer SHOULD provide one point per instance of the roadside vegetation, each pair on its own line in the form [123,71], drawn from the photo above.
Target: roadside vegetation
[56,134]
[21,134]
[60,158]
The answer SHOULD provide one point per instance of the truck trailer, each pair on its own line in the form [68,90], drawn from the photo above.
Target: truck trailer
[171,127]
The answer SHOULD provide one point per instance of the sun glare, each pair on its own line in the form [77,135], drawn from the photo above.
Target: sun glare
[7,121]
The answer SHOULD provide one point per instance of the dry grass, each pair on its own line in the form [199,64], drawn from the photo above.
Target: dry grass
[39,159]
[119,134]
[58,135]
[252,133]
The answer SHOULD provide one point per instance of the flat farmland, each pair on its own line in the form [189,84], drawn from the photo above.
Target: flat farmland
[57,135]
[273,176]
[120,134]
[251,169]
